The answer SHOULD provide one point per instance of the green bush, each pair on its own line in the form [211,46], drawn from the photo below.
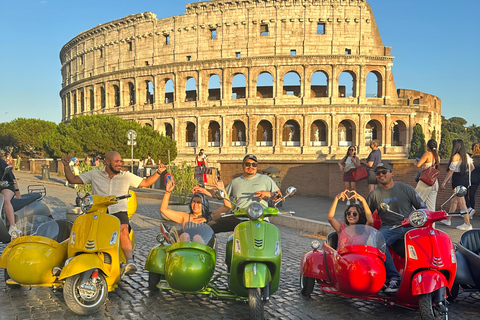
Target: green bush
[184,181]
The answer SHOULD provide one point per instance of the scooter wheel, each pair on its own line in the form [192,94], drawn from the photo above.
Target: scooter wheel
[82,301]
[306,285]
[255,304]
[6,276]
[428,311]
[153,280]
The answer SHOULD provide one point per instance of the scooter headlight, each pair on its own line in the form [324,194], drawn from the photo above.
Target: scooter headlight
[255,211]
[418,218]
[315,244]
[86,204]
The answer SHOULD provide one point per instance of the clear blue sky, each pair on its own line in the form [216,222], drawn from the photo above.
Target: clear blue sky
[435,43]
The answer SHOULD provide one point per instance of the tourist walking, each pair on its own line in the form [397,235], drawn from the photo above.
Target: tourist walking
[459,170]
[348,165]
[475,179]
[373,159]
[429,159]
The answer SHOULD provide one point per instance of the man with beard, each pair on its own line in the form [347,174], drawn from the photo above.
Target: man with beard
[112,181]
[401,198]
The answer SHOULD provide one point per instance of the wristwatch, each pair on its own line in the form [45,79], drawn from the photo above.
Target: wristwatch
[158,173]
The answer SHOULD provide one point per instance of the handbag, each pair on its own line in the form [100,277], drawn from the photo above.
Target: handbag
[429,176]
[360,174]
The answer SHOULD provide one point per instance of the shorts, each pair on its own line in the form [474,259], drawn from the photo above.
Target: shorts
[460,180]
[372,178]
[10,187]
[348,176]
[122,216]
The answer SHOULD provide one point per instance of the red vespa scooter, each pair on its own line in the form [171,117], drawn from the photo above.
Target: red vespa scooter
[426,261]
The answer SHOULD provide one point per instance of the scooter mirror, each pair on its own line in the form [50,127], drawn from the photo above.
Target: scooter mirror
[384,206]
[290,192]
[219,194]
[460,191]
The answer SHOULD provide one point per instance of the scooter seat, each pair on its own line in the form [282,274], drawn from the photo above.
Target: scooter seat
[471,240]
[25,200]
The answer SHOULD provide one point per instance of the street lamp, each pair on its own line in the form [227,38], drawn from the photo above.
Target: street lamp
[132,141]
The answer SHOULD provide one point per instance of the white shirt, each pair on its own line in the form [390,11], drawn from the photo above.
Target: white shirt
[118,185]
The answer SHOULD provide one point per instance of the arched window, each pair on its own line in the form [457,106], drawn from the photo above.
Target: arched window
[347,85]
[399,133]
[373,131]
[168,130]
[116,92]
[191,134]
[149,92]
[264,134]
[319,85]
[191,90]
[214,88]
[239,86]
[92,100]
[374,85]
[318,133]
[265,85]
[291,84]
[345,134]
[239,134]
[291,134]
[82,102]
[131,93]
[74,103]
[102,97]
[214,134]
[169,91]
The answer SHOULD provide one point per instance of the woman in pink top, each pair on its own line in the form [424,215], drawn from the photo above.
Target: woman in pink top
[355,214]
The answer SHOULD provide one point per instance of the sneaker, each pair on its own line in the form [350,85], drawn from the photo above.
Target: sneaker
[471,212]
[464,227]
[393,286]
[130,267]
[446,222]
[348,202]
[14,232]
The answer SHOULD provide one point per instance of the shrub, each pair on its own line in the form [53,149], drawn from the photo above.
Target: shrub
[184,181]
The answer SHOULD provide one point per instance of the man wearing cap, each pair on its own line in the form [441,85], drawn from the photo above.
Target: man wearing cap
[248,188]
[401,198]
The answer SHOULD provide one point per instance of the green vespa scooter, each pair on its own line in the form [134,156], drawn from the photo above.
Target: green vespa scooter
[253,259]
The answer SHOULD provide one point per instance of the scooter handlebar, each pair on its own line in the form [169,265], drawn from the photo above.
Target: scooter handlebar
[123,197]
[286,212]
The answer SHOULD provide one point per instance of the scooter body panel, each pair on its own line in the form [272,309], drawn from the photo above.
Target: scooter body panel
[82,263]
[254,241]
[473,261]
[156,259]
[313,265]
[256,275]
[427,281]
[464,273]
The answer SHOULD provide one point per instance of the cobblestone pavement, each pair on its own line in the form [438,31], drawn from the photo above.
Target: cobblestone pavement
[133,300]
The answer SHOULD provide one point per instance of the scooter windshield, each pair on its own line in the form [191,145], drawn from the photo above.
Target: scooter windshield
[30,224]
[201,233]
[361,235]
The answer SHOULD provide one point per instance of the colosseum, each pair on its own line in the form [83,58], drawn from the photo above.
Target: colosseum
[284,79]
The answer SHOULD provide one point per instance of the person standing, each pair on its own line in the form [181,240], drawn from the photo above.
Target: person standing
[348,165]
[373,159]
[149,162]
[459,169]
[108,181]
[201,161]
[12,190]
[475,181]
[9,159]
[429,159]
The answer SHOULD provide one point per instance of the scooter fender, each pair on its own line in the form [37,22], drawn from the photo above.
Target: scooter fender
[156,259]
[82,263]
[313,265]
[428,281]
[256,275]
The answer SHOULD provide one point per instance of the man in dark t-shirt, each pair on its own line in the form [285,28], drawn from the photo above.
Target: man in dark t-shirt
[401,198]
[373,159]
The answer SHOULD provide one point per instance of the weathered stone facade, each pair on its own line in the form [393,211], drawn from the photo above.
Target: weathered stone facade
[283,79]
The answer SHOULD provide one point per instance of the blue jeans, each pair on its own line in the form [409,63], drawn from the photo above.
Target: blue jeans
[390,237]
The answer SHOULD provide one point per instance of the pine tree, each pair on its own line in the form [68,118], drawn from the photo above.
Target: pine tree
[445,149]
[417,145]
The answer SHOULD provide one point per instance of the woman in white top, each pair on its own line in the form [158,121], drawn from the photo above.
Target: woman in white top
[429,159]
[459,169]
[348,165]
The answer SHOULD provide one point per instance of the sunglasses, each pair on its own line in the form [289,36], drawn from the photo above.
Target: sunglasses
[250,164]
[197,202]
[349,213]
[351,149]
[384,172]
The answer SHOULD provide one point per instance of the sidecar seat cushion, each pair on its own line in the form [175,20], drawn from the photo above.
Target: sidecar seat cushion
[471,240]
[65,228]
[332,240]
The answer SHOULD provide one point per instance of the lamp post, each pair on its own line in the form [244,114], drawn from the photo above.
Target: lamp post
[132,141]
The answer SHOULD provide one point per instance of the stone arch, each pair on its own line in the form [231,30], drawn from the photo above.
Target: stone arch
[346,133]
[102,97]
[169,90]
[75,102]
[131,94]
[149,92]
[264,134]
[399,133]
[373,131]
[239,134]
[374,85]
[214,88]
[82,101]
[92,99]
[318,133]
[169,130]
[191,134]
[292,84]
[291,134]
[263,89]
[190,89]
[347,84]
[319,84]
[239,86]
[214,134]
[116,94]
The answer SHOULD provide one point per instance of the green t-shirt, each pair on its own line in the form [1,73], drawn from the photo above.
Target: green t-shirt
[401,198]
[242,190]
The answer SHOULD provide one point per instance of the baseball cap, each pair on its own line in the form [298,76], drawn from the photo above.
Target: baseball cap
[382,165]
[251,157]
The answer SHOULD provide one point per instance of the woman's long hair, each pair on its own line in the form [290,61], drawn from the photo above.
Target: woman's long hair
[346,156]
[432,146]
[206,213]
[459,147]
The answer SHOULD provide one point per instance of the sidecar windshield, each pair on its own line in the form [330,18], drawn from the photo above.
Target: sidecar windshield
[201,233]
[30,224]
[361,235]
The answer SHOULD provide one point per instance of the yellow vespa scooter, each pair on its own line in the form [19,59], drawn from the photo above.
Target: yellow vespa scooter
[87,265]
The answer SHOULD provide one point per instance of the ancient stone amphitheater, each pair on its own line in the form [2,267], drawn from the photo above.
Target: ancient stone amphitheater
[284,79]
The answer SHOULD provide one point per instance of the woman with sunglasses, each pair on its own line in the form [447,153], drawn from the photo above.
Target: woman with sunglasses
[348,165]
[354,214]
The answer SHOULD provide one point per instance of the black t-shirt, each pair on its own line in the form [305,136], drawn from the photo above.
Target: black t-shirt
[8,177]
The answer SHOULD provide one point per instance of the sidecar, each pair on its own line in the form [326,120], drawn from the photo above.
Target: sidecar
[186,260]
[29,260]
